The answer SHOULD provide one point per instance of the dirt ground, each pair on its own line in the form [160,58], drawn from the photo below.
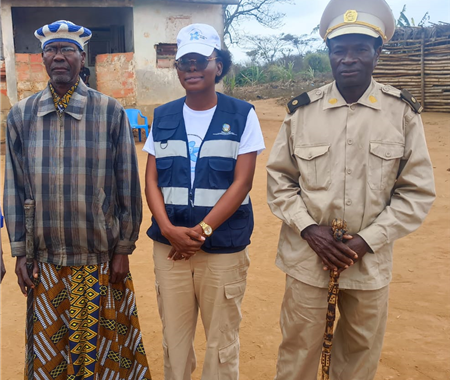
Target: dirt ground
[418,333]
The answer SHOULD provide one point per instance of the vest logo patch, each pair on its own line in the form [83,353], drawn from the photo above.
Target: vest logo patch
[226,130]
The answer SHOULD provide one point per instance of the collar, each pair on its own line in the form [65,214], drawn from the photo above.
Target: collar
[370,98]
[75,108]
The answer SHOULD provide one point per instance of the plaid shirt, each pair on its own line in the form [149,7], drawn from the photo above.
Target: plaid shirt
[81,169]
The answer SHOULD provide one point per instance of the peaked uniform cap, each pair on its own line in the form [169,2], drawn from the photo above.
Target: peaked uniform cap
[197,38]
[63,31]
[371,17]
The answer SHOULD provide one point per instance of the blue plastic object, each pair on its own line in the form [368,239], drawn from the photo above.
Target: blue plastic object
[133,118]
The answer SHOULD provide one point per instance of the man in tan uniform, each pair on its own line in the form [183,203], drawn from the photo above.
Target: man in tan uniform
[353,149]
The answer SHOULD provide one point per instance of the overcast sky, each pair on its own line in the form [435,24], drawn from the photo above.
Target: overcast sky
[303,16]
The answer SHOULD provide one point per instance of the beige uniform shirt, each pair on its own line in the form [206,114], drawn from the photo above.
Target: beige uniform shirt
[365,162]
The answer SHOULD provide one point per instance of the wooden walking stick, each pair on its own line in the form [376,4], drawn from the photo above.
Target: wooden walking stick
[29,241]
[339,228]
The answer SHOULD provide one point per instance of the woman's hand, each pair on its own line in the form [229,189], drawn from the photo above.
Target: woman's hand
[185,242]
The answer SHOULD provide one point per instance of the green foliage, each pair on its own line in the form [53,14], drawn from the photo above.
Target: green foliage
[229,81]
[404,21]
[250,76]
[281,72]
[318,62]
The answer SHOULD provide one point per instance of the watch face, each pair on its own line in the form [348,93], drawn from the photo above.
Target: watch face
[208,230]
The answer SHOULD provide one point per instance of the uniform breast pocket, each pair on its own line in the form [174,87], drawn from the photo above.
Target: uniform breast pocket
[384,161]
[314,165]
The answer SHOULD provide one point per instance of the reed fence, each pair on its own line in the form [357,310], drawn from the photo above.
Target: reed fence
[418,59]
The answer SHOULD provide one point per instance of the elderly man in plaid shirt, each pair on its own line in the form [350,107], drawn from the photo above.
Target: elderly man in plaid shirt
[71,150]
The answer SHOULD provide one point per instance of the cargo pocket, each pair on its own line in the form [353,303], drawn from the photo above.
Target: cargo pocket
[384,161]
[314,166]
[231,316]
[229,353]
[160,305]
[164,168]
[221,173]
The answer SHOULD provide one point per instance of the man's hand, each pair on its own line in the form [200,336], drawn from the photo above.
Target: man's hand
[335,255]
[24,281]
[358,245]
[3,269]
[119,269]
[185,242]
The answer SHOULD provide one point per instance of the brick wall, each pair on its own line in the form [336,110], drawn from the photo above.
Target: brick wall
[31,74]
[116,77]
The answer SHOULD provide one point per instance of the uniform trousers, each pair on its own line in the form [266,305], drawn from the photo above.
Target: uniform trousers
[215,285]
[358,337]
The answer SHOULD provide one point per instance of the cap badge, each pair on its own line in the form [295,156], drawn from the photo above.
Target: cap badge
[350,16]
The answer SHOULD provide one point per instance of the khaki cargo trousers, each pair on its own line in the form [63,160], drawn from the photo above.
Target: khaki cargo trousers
[213,283]
[358,337]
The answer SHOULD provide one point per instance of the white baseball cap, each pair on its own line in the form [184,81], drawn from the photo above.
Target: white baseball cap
[197,38]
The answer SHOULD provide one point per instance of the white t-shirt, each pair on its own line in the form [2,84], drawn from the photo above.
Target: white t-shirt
[197,124]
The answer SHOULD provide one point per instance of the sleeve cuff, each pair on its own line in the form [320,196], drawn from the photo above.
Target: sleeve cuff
[124,248]
[18,249]
[303,220]
[375,237]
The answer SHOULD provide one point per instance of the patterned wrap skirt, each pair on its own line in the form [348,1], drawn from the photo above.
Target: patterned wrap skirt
[86,328]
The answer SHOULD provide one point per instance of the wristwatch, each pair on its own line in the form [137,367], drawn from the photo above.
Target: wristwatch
[207,230]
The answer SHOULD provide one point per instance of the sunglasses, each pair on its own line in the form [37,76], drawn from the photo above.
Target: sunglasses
[184,64]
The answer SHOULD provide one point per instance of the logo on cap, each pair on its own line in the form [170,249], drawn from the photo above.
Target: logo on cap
[350,16]
[197,35]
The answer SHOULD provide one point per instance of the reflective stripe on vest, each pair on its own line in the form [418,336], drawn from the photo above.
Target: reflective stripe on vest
[220,148]
[175,195]
[209,197]
[171,148]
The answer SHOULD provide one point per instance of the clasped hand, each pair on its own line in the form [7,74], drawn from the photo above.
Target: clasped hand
[335,255]
[185,242]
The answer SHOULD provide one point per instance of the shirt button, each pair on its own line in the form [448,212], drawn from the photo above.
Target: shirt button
[310,155]
[349,171]
[388,154]
[318,92]
[349,202]
[352,107]
[349,141]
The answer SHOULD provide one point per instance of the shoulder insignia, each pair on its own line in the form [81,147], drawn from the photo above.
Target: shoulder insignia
[299,101]
[407,97]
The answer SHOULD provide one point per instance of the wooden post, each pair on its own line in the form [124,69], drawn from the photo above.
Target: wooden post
[9,52]
[422,69]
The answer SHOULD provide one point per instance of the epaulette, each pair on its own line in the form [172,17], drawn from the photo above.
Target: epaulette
[407,97]
[299,101]
[404,95]
[304,99]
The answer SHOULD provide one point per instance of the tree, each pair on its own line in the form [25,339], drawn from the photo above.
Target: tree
[260,10]
[271,48]
[403,20]
[265,48]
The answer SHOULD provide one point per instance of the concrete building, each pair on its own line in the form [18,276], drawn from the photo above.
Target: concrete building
[130,55]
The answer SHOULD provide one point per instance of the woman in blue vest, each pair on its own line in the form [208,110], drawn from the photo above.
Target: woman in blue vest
[202,156]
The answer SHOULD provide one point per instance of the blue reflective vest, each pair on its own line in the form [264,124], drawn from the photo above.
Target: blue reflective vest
[214,173]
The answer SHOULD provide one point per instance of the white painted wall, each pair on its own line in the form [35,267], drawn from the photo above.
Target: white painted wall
[159,22]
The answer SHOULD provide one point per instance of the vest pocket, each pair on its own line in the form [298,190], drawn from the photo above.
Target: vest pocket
[221,173]
[164,168]
[314,166]
[384,161]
